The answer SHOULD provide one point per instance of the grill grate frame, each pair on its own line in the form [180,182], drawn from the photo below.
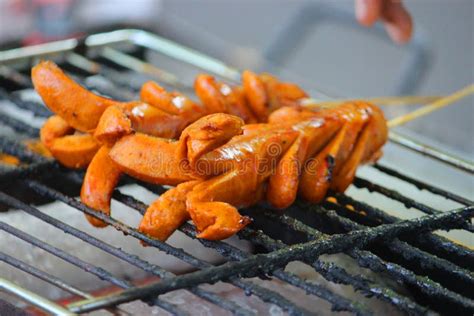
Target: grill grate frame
[437,253]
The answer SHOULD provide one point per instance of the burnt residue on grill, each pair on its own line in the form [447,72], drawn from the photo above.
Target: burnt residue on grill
[435,272]
[267,263]
[458,254]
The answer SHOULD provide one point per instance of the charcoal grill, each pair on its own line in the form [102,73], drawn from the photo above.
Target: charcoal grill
[425,272]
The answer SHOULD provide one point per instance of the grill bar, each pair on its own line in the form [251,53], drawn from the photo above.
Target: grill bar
[339,303]
[99,272]
[436,154]
[117,252]
[334,273]
[13,75]
[108,74]
[408,202]
[422,185]
[42,275]
[36,108]
[402,248]
[448,300]
[19,126]
[458,277]
[140,66]
[19,150]
[443,247]
[423,284]
[33,298]
[369,260]
[266,263]
[265,295]
[51,279]
[24,171]
[37,164]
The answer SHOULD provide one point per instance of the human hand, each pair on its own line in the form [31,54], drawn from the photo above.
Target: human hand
[392,13]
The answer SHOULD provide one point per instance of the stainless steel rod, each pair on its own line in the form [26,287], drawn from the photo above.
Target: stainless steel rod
[33,298]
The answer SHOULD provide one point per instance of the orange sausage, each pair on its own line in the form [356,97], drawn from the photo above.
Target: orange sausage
[79,107]
[207,134]
[113,124]
[74,151]
[154,94]
[10,160]
[99,182]
[167,213]
[281,94]
[291,114]
[256,95]
[317,173]
[346,174]
[237,103]
[207,90]
[54,127]
[171,102]
[151,159]
[154,121]
[283,185]
[37,147]
[212,204]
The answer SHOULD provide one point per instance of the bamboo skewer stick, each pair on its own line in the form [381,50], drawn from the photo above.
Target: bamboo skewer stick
[431,104]
[436,105]
[385,101]
[427,150]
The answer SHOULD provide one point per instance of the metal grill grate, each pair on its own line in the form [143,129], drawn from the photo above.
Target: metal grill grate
[436,271]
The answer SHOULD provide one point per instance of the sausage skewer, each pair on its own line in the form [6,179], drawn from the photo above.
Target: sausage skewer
[313,153]
[100,122]
[219,163]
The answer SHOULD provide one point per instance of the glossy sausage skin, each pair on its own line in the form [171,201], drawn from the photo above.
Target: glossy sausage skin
[73,151]
[166,138]
[167,213]
[308,154]
[150,159]
[99,182]
[79,107]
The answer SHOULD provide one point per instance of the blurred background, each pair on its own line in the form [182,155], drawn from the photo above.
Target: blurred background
[317,43]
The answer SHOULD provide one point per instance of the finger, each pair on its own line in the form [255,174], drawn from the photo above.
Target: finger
[368,11]
[397,21]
